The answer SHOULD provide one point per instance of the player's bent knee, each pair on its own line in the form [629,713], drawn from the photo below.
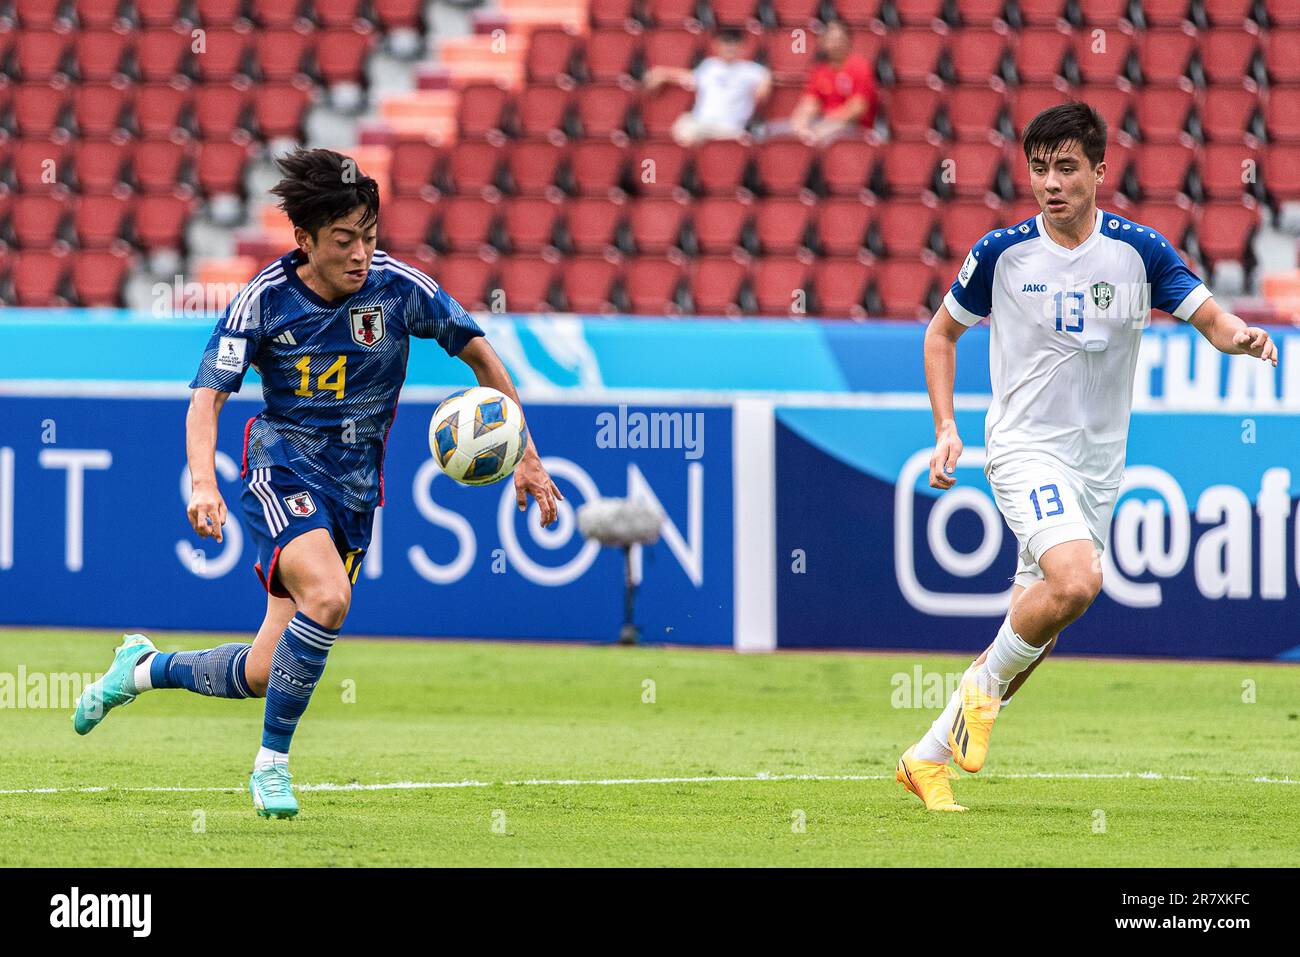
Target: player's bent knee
[327,605]
[256,678]
[1077,591]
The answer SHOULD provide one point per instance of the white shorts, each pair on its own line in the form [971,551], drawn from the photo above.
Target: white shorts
[1046,504]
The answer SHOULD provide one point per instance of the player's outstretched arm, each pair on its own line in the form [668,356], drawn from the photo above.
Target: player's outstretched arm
[207,509]
[940,372]
[530,474]
[1228,333]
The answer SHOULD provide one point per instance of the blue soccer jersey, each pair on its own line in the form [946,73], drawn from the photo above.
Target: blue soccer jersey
[331,371]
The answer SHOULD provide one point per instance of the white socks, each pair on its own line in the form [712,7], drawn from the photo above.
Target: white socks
[140,676]
[934,746]
[1009,656]
[266,757]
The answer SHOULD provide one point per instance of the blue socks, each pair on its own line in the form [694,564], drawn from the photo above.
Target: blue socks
[296,666]
[217,672]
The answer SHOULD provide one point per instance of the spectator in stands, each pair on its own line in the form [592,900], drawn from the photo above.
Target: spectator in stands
[727,91]
[840,98]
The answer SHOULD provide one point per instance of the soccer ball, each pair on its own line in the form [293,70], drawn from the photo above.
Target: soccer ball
[478,435]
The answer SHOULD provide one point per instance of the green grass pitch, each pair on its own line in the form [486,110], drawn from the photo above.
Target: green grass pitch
[453,712]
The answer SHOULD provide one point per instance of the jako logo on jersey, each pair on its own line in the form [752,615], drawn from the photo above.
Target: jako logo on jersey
[300,504]
[1035,287]
[367,324]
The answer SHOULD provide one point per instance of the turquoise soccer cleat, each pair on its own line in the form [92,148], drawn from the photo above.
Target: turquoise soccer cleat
[272,792]
[114,689]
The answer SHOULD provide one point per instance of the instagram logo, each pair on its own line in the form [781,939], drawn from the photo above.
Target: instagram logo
[952,561]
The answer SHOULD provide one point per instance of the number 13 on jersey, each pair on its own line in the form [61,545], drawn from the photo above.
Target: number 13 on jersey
[1069,311]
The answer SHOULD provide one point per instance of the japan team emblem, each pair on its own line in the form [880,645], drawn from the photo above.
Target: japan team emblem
[300,504]
[367,324]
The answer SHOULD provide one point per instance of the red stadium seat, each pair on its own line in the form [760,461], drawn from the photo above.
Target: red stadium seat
[587,284]
[160,220]
[854,14]
[1165,13]
[717,223]
[656,167]
[159,108]
[281,52]
[784,166]
[596,166]
[974,168]
[715,285]
[414,167]
[672,13]
[530,223]
[918,13]
[466,278]
[1038,13]
[660,109]
[1040,55]
[39,277]
[656,223]
[720,166]
[341,53]
[1224,231]
[156,13]
[903,288]
[796,13]
[37,219]
[533,167]
[914,54]
[100,109]
[99,221]
[846,166]
[100,165]
[336,13]
[162,53]
[1106,13]
[1228,113]
[842,226]
[1228,14]
[39,109]
[541,111]
[1168,219]
[1282,13]
[780,286]
[602,110]
[1282,115]
[1228,170]
[653,286]
[1163,114]
[591,223]
[278,109]
[1161,170]
[908,168]
[221,110]
[1164,57]
[977,55]
[1114,104]
[472,167]
[159,164]
[840,288]
[97,14]
[911,112]
[1279,56]
[676,48]
[219,166]
[225,56]
[551,53]
[464,223]
[612,13]
[974,112]
[100,53]
[963,223]
[1101,60]
[399,14]
[980,13]
[526,283]
[611,54]
[219,13]
[734,13]
[41,54]
[787,60]
[97,276]
[1229,58]
[902,229]
[1282,172]
[38,164]
[482,107]
[781,224]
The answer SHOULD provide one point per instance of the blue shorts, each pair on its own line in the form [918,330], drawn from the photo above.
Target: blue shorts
[278,507]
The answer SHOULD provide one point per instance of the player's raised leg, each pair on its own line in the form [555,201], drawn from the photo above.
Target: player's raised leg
[310,569]
[1072,579]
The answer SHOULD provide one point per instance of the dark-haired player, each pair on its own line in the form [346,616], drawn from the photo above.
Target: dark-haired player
[1068,294]
[328,327]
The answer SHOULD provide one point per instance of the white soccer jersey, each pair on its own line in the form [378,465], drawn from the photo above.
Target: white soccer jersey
[1064,334]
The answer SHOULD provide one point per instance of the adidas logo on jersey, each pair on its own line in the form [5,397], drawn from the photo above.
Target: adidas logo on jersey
[286,338]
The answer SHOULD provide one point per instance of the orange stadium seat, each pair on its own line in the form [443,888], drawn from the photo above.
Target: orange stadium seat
[587,284]
[715,283]
[653,286]
[781,224]
[840,288]
[591,223]
[717,223]
[530,223]
[842,226]
[656,224]
[596,166]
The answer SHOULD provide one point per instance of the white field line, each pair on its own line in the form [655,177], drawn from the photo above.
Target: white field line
[703,779]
